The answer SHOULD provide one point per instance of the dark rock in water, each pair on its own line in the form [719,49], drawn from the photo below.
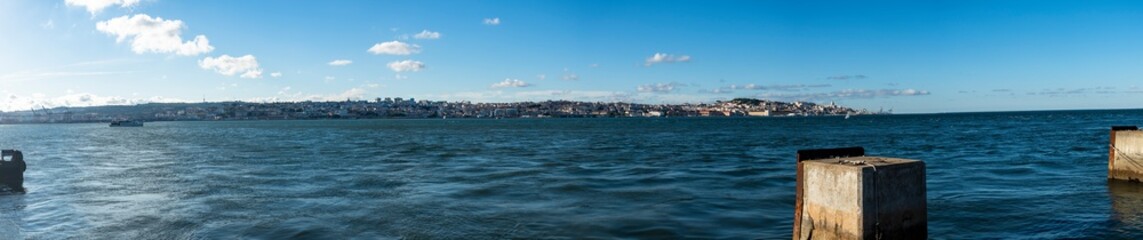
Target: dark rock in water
[12,170]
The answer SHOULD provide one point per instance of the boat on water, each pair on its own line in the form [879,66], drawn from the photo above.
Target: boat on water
[126,123]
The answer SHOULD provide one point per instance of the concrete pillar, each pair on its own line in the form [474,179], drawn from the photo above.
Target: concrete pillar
[843,194]
[1125,155]
[12,168]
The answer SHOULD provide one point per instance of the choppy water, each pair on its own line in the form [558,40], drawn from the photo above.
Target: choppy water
[990,175]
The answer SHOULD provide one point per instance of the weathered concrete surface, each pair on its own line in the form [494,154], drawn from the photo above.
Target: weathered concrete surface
[1125,157]
[863,198]
[814,154]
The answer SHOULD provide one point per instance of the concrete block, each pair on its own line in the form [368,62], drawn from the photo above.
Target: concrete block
[861,197]
[12,168]
[1125,155]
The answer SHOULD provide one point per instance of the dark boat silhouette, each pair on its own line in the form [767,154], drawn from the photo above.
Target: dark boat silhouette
[126,123]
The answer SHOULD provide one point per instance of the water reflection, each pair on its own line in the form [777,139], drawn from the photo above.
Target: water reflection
[12,205]
[576,178]
[1126,206]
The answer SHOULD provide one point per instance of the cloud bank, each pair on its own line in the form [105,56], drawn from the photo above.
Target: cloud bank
[847,77]
[14,102]
[778,87]
[496,95]
[847,93]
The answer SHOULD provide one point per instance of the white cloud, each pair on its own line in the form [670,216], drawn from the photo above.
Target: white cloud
[666,58]
[406,66]
[276,74]
[659,87]
[570,77]
[154,35]
[352,93]
[95,6]
[227,86]
[864,93]
[50,24]
[247,65]
[340,62]
[328,79]
[394,48]
[779,87]
[847,77]
[542,77]
[542,95]
[426,34]
[510,83]
[722,90]
[400,77]
[492,21]
[908,92]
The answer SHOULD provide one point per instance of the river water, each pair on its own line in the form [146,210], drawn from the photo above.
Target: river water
[990,175]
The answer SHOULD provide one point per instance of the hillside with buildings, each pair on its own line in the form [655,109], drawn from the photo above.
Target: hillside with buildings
[411,108]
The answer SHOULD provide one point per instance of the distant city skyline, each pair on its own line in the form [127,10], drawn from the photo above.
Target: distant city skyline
[913,57]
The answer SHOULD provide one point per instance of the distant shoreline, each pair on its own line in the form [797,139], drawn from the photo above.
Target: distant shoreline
[411,109]
[247,111]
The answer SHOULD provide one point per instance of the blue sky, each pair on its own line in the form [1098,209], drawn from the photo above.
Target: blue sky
[911,56]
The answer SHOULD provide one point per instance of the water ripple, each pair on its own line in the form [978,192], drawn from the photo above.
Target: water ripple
[1000,175]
